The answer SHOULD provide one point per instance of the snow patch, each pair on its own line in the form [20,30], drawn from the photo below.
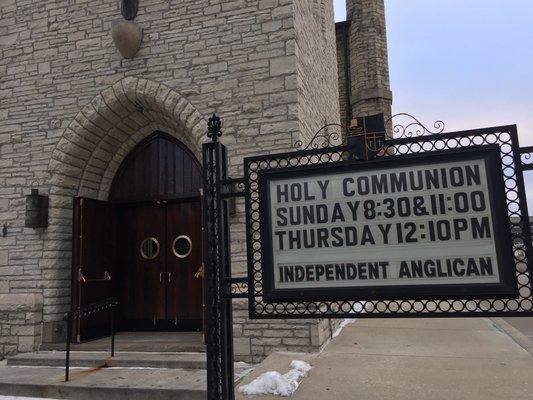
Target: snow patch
[343,324]
[242,370]
[274,383]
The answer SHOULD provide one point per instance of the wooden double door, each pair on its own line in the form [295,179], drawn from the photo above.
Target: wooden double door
[160,258]
[148,255]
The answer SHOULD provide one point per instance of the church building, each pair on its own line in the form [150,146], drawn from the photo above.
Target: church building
[104,107]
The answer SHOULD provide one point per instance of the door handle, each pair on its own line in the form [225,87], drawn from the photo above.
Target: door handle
[81,278]
[160,277]
[200,272]
[169,276]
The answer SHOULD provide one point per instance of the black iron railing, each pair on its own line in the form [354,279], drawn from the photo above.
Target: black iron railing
[84,312]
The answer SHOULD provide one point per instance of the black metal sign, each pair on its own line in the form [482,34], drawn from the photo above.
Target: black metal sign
[409,227]
[433,226]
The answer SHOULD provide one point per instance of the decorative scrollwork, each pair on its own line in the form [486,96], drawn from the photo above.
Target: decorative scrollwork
[412,127]
[233,187]
[239,288]
[214,128]
[526,157]
[323,138]
[404,125]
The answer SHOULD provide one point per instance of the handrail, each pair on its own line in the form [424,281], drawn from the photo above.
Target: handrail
[84,312]
[82,279]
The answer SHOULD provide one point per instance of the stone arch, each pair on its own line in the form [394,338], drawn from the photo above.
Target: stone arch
[88,154]
[105,130]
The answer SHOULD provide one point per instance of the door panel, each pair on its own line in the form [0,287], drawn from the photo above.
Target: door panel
[93,263]
[184,259]
[142,243]
[159,286]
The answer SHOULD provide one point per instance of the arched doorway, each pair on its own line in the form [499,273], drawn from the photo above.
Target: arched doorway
[143,245]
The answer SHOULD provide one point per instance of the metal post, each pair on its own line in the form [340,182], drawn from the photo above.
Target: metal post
[227,304]
[69,339]
[112,331]
[219,331]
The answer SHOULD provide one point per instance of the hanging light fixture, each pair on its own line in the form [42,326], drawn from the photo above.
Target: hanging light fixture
[129,9]
[36,210]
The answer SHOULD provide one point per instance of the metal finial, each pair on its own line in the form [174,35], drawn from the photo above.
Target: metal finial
[129,9]
[214,128]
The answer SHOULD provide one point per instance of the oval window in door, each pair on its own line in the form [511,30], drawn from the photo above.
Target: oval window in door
[149,248]
[182,246]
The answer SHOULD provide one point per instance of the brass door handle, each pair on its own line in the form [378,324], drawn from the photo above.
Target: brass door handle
[200,272]
[81,278]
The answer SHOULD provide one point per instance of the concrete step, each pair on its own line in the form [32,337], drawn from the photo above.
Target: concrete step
[121,346]
[104,383]
[102,359]
[158,342]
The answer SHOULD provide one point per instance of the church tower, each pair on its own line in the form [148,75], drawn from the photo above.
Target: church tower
[363,60]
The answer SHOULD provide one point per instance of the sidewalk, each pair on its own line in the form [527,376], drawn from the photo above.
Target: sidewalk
[432,359]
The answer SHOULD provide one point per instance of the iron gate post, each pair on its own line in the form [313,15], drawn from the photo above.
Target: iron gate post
[219,329]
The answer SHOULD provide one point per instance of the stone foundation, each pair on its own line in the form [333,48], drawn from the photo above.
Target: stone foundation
[255,339]
[20,321]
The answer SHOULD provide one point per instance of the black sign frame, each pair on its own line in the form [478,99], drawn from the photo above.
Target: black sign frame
[518,300]
[502,233]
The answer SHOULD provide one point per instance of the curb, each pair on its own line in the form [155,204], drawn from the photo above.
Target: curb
[520,339]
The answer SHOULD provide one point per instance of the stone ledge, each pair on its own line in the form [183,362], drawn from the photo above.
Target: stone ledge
[21,302]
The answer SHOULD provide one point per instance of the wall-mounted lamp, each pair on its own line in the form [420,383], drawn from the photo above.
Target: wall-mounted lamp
[36,210]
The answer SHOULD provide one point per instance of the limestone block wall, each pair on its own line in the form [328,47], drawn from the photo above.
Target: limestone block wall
[254,340]
[316,55]
[71,108]
[369,66]
[20,323]
[342,31]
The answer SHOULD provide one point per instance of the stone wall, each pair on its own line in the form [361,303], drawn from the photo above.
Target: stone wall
[342,37]
[20,323]
[316,55]
[71,109]
[255,339]
[369,66]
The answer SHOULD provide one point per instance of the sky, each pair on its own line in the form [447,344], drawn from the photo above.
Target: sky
[468,63]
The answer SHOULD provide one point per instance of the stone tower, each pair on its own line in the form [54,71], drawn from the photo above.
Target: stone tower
[369,85]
